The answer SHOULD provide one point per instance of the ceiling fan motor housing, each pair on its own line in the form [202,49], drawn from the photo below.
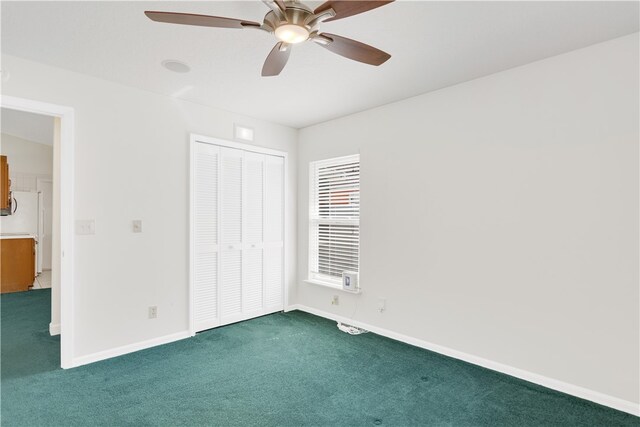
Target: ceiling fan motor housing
[296,14]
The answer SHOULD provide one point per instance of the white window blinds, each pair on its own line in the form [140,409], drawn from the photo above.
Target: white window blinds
[334,218]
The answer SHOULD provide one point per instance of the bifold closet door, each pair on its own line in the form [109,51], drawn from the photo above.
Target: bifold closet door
[238,235]
[205,234]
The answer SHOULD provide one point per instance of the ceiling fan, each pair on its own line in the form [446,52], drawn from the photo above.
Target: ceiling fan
[293,22]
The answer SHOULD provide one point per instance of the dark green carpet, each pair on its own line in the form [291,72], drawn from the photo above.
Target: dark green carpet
[284,369]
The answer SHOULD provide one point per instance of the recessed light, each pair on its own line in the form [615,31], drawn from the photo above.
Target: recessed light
[175,66]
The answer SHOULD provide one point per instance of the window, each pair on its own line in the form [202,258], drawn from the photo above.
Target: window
[334,218]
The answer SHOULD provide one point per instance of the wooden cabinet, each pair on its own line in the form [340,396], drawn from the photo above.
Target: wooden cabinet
[17,264]
[5,183]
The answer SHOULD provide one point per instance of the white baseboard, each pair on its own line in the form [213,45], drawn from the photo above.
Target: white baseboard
[54,329]
[292,308]
[574,390]
[130,348]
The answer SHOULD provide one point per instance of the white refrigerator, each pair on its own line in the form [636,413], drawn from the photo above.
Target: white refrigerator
[25,218]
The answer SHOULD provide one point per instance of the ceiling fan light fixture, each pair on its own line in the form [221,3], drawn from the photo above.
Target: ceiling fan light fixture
[292,34]
[291,22]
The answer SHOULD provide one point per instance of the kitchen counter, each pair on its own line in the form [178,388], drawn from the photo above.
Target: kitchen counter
[17,236]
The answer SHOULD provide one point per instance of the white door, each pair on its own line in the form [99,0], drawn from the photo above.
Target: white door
[274,233]
[205,236]
[232,211]
[45,187]
[238,198]
[253,220]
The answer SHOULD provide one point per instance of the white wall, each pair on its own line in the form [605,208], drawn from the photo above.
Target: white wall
[27,156]
[28,160]
[131,162]
[500,217]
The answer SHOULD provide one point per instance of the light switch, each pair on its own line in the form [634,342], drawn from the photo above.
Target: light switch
[85,227]
[137,226]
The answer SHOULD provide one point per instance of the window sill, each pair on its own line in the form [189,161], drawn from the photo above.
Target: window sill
[330,285]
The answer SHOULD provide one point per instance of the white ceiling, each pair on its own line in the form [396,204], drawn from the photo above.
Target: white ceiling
[29,126]
[433,45]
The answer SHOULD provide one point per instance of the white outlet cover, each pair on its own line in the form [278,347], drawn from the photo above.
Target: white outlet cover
[137,226]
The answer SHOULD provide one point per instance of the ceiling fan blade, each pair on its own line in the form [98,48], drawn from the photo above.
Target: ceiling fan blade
[347,8]
[199,20]
[353,49]
[276,60]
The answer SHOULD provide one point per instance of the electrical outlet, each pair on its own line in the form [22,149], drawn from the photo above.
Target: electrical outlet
[137,226]
[153,312]
[382,305]
[335,300]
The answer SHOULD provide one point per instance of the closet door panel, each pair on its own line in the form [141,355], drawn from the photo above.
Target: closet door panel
[253,218]
[273,277]
[252,293]
[274,199]
[274,232]
[231,161]
[231,279]
[205,230]
[232,209]
[254,199]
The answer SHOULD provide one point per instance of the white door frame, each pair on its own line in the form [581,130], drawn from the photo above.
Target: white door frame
[66,168]
[195,139]
[39,181]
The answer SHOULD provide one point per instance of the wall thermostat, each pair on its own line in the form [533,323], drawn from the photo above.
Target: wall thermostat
[350,281]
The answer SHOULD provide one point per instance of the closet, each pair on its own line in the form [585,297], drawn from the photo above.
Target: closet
[237,233]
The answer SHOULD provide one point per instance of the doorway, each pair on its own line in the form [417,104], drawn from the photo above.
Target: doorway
[237,236]
[27,164]
[58,189]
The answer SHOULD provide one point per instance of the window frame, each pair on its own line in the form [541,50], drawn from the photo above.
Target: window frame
[316,220]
